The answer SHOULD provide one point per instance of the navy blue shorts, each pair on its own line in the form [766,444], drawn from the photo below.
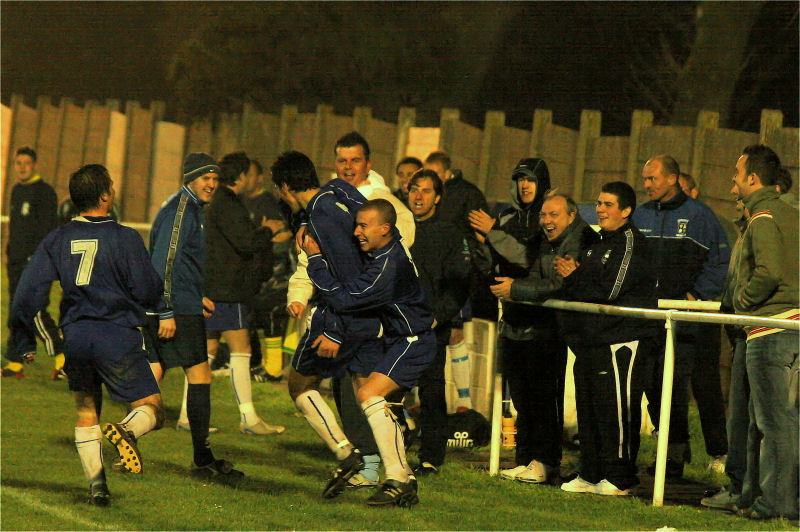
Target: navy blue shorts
[186,349]
[407,357]
[103,352]
[227,317]
[356,355]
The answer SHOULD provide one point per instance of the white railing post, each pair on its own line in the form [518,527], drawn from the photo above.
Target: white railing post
[497,400]
[663,418]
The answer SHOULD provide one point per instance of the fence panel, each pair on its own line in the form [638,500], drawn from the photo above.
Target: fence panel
[509,145]
[557,146]
[47,142]
[167,165]
[606,161]
[137,165]
[70,151]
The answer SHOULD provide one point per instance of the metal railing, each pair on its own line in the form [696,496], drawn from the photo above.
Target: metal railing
[670,317]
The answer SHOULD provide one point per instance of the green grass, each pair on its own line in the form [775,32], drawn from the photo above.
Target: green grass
[43,486]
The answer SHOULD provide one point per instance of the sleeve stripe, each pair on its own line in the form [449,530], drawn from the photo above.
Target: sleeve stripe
[383,268]
[623,268]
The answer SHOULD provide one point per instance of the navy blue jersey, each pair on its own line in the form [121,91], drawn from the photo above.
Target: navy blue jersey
[104,271]
[388,285]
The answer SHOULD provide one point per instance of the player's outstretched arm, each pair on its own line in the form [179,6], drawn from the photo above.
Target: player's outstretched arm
[372,289]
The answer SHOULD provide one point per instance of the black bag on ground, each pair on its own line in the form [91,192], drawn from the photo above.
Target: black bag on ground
[468,429]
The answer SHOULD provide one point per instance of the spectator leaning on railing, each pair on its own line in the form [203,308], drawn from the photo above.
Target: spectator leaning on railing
[609,349]
[536,377]
[766,285]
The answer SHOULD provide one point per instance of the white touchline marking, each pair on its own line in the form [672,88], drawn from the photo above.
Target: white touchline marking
[65,514]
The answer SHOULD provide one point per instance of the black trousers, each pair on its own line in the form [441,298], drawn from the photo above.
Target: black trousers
[46,329]
[433,404]
[534,371]
[608,397]
[707,388]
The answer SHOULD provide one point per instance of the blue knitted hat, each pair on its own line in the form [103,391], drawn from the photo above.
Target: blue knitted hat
[197,164]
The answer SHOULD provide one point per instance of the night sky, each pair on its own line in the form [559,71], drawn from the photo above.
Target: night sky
[560,56]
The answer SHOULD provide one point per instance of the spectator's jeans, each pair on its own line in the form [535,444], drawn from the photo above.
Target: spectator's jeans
[738,420]
[772,370]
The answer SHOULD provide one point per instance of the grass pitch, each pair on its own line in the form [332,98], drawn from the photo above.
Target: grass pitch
[43,487]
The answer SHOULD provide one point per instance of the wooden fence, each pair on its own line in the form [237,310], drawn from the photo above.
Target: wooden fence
[144,153]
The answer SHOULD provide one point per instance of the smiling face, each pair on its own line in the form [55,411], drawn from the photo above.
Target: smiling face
[526,188]
[422,199]
[352,165]
[609,216]
[371,232]
[204,186]
[404,173]
[554,217]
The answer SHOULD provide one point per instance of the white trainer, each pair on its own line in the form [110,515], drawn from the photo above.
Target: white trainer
[511,474]
[578,485]
[261,428]
[604,487]
[535,473]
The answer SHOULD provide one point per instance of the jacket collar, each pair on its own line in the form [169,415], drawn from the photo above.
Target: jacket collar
[752,200]
[673,203]
[192,196]
[609,234]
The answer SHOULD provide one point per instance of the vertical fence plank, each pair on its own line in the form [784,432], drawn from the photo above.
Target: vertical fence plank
[640,121]
[771,124]
[447,121]
[494,120]
[590,129]
[541,119]
[288,112]
[705,120]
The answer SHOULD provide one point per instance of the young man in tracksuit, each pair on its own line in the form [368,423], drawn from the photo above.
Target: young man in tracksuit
[444,274]
[537,375]
[767,285]
[608,349]
[32,215]
[175,335]
[690,260]
[389,287]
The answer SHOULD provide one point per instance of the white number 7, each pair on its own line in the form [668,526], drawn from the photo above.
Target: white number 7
[88,250]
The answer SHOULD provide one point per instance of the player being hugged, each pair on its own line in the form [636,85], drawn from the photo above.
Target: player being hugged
[389,286]
[107,282]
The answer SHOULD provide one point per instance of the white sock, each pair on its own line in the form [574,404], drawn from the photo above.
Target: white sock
[321,418]
[388,436]
[459,360]
[87,441]
[140,420]
[240,381]
[183,418]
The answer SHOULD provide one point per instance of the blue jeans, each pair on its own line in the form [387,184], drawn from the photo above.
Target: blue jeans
[738,421]
[772,370]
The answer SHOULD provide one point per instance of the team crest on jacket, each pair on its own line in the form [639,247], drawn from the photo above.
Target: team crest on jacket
[683,223]
[25,209]
[606,255]
[343,207]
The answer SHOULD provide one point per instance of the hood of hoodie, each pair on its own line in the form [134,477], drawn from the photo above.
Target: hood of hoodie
[537,167]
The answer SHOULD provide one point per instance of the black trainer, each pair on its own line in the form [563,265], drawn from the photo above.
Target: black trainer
[220,471]
[346,469]
[99,494]
[394,492]
[426,468]
[125,444]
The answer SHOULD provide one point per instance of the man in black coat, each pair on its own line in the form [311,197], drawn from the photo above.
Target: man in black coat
[444,273]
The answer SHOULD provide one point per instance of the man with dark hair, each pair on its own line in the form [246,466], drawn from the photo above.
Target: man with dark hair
[609,349]
[265,312]
[403,171]
[461,197]
[331,341]
[783,184]
[534,357]
[691,255]
[444,274]
[175,334]
[387,286]
[232,242]
[766,284]
[107,281]
[354,166]
[32,215]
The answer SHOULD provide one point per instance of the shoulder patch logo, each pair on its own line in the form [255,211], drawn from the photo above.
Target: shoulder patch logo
[25,208]
[683,224]
[343,207]
[606,256]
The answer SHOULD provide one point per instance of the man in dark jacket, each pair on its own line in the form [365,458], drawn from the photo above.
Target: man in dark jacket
[32,215]
[608,349]
[690,260]
[444,274]
[459,198]
[232,243]
[536,377]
